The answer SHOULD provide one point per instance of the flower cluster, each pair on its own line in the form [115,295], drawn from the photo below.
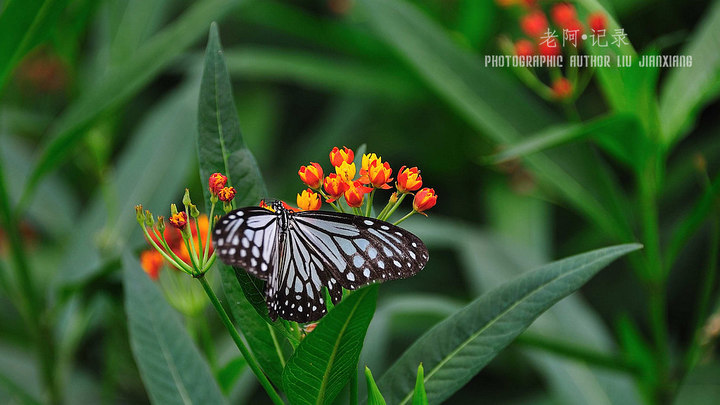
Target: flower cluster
[546,34]
[185,243]
[358,187]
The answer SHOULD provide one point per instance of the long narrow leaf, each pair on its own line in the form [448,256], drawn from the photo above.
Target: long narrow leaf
[459,347]
[172,368]
[220,144]
[327,357]
[686,90]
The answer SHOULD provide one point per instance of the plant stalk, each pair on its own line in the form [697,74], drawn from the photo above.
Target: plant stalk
[252,362]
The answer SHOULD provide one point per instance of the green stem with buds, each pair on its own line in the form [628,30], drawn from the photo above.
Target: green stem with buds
[394,207]
[252,362]
[183,266]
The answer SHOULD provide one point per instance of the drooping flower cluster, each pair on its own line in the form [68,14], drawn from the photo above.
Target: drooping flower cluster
[185,244]
[547,33]
[344,186]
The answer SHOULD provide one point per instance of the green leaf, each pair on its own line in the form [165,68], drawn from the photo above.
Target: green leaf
[419,395]
[700,386]
[220,144]
[266,341]
[23,24]
[617,133]
[459,347]
[323,72]
[687,90]
[374,395]
[228,375]
[327,357]
[170,365]
[122,82]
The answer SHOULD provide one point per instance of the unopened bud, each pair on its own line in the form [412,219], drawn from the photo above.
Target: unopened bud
[139,214]
[194,211]
[186,198]
[393,198]
[161,224]
[149,220]
[173,209]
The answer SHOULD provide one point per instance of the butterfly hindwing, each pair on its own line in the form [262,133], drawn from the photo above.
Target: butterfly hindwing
[295,291]
[247,238]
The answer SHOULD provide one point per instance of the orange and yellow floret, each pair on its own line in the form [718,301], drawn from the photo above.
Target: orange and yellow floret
[343,183]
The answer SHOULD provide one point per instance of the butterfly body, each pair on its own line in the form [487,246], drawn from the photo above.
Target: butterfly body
[299,253]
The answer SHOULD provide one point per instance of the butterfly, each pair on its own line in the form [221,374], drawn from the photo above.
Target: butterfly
[299,253]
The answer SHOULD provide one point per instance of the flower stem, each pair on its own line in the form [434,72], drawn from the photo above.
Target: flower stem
[191,249]
[252,362]
[369,203]
[394,207]
[174,260]
[405,217]
[208,236]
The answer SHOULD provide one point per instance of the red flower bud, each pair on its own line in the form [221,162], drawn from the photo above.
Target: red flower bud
[179,220]
[217,182]
[563,14]
[334,186]
[534,24]
[312,175]
[226,194]
[338,156]
[597,22]
[408,180]
[355,193]
[424,200]
[562,88]
[524,48]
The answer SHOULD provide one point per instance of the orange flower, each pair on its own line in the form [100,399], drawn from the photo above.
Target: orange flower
[562,88]
[534,24]
[424,200]
[355,193]
[309,200]
[524,48]
[378,174]
[334,186]
[408,180]
[226,194]
[312,175]
[151,261]
[563,14]
[338,156]
[597,22]
[179,220]
[217,182]
[346,171]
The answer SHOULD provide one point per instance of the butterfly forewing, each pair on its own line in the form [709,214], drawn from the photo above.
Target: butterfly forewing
[247,238]
[300,254]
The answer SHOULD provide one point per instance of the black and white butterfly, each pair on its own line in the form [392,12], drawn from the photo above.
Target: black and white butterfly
[299,253]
